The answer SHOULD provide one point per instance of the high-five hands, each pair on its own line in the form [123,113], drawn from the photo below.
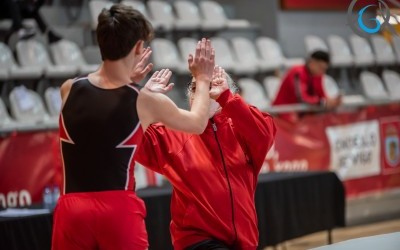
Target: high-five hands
[159,81]
[143,67]
[219,83]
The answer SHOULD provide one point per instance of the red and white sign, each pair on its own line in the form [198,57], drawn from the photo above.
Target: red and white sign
[355,149]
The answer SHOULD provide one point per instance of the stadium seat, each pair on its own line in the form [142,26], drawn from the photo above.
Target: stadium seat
[363,56]
[372,86]
[247,56]
[140,6]
[95,7]
[162,14]
[272,55]
[314,43]
[27,106]
[272,84]
[188,15]
[10,70]
[165,55]
[214,17]
[69,54]
[392,82]
[330,87]
[384,53]
[332,90]
[53,101]
[340,52]
[253,93]
[32,53]
[223,54]
[187,45]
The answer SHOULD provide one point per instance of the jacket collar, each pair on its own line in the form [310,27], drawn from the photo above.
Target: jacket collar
[218,119]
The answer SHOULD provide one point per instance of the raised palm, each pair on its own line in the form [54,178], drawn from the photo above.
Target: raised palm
[159,81]
[219,82]
[141,69]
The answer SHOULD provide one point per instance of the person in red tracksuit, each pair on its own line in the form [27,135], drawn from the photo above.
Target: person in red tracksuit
[214,174]
[303,84]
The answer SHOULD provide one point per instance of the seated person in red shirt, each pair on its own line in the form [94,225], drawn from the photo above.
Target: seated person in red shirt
[214,174]
[303,84]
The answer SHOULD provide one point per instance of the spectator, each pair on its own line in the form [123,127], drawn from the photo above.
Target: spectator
[10,9]
[303,84]
[18,10]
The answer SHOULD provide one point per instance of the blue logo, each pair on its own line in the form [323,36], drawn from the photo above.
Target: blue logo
[362,25]
[363,29]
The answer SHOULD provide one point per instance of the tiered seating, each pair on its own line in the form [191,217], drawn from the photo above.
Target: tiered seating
[241,55]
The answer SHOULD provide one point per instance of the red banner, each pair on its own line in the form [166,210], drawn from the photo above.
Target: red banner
[323,5]
[362,147]
[367,161]
[28,163]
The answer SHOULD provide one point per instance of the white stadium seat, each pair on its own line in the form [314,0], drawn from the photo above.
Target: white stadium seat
[27,106]
[272,84]
[340,52]
[53,101]
[372,86]
[253,93]
[392,82]
[166,55]
[362,51]
[384,53]
[272,55]
[69,54]
[32,53]
[314,43]
[214,17]
[95,7]
[162,14]
[9,69]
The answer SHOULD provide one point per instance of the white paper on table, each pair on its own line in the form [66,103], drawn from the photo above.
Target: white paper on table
[19,212]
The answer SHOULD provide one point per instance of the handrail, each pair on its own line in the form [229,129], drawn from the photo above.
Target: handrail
[45,125]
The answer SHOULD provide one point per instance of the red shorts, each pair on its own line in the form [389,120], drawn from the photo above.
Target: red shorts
[100,220]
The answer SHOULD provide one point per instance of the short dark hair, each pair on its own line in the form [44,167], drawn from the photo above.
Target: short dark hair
[321,55]
[119,29]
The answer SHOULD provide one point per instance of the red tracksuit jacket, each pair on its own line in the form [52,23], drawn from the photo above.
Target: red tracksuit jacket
[299,86]
[214,175]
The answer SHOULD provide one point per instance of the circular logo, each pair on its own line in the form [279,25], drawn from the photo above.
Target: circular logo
[358,25]
[392,147]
